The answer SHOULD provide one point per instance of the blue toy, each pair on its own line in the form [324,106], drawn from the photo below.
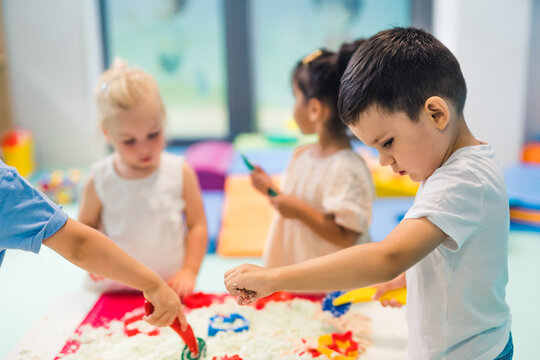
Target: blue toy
[233,322]
[327,304]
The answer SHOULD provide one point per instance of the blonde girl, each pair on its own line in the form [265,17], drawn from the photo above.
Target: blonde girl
[145,199]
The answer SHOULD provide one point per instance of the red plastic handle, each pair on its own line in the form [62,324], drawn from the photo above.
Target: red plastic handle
[188,336]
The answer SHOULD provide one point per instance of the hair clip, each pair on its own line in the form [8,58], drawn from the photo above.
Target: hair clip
[309,58]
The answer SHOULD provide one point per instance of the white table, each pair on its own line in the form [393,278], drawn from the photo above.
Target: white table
[42,303]
[42,300]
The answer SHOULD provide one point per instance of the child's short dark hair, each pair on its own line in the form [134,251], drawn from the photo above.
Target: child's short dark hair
[398,70]
[318,76]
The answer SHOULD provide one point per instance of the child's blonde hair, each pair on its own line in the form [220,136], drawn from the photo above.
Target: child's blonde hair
[122,87]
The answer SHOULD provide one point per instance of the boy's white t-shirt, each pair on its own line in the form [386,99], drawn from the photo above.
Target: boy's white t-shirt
[456,295]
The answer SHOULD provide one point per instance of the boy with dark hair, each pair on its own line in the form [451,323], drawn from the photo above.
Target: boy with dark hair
[403,93]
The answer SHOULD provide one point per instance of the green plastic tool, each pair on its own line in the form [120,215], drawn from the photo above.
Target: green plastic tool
[250,166]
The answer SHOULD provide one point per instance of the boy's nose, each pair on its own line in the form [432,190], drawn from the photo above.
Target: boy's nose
[385,160]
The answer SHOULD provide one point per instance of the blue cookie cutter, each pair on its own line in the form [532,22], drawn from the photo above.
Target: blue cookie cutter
[327,304]
[214,327]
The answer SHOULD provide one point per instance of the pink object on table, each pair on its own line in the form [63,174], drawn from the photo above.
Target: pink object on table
[210,160]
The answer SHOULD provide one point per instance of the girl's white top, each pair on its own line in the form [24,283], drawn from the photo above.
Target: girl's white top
[340,185]
[144,216]
[456,306]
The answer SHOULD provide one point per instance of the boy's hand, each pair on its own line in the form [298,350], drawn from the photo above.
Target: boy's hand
[248,282]
[167,306]
[397,283]
[261,180]
[287,205]
[183,282]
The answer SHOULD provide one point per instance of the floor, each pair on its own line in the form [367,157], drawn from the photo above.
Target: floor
[31,283]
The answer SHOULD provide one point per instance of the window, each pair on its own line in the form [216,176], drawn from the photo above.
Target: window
[181,43]
[284,31]
[224,66]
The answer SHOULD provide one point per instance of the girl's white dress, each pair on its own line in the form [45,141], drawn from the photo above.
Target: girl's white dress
[143,216]
[339,184]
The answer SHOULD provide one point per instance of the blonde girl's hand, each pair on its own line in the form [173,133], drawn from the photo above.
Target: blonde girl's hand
[183,282]
[167,306]
[248,282]
[287,205]
[261,180]
[382,288]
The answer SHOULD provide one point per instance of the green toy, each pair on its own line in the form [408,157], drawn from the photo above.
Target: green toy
[250,166]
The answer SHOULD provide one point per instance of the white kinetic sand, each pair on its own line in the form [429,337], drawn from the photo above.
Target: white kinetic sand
[275,332]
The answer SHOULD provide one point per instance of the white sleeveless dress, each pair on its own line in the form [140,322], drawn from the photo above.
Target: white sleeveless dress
[145,217]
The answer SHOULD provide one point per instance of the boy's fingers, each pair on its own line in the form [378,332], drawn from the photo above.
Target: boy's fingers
[231,286]
[234,290]
[229,276]
[230,272]
[244,300]
[380,292]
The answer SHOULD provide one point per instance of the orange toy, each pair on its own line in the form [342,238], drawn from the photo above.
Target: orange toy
[531,153]
[246,218]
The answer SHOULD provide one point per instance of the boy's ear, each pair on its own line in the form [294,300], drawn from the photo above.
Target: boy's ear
[314,109]
[438,111]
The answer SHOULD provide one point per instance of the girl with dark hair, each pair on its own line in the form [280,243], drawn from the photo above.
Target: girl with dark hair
[325,201]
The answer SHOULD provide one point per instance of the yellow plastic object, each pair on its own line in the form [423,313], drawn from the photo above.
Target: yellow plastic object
[389,184]
[291,125]
[386,182]
[366,294]
[347,348]
[18,149]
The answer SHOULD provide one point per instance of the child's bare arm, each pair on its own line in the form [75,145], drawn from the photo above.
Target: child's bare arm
[93,251]
[90,212]
[322,224]
[350,268]
[196,239]
[90,205]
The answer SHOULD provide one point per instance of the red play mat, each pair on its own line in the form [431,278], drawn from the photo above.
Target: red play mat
[113,306]
[109,306]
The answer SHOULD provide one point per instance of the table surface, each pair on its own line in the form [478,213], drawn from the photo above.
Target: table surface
[42,301]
